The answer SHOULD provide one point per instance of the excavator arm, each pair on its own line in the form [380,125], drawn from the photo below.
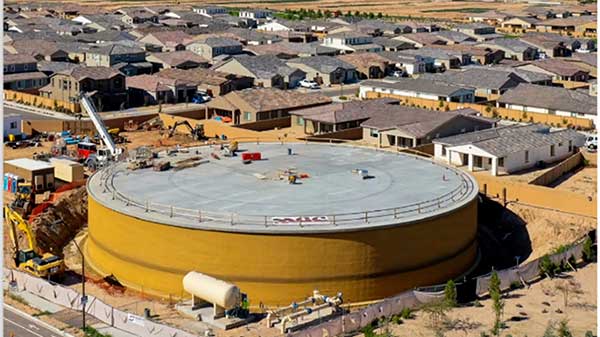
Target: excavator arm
[16,222]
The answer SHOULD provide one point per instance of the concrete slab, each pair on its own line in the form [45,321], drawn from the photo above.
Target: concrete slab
[228,195]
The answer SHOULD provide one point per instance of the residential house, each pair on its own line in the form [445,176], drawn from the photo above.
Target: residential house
[585,61]
[488,83]
[111,54]
[477,55]
[349,42]
[514,49]
[210,11]
[508,149]
[401,126]
[336,117]
[266,108]
[289,50]
[581,24]
[167,40]
[479,31]
[211,82]
[490,17]
[410,65]
[181,59]
[559,69]
[213,47]
[547,47]
[255,14]
[417,88]
[104,22]
[138,16]
[441,59]
[420,40]
[153,89]
[267,70]
[21,73]
[581,45]
[453,37]
[389,44]
[105,85]
[40,50]
[369,65]
[520,23]
[325,70]
[549,100]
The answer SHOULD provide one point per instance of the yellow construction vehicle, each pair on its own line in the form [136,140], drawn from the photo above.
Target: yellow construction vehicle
[24,199]
[30,260]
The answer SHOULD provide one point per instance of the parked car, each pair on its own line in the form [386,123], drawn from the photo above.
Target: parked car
[591,143]
[398,73]
[309,84]
[200,98]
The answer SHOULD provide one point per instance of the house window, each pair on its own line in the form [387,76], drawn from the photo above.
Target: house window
[13,125]
[560,144]
[374,133]
[501,162]
[570,145]
[300,120]
[552,151]
[443,150]
[527,156]
[248,116]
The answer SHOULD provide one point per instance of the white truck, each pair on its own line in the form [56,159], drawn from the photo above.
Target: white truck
[109,151]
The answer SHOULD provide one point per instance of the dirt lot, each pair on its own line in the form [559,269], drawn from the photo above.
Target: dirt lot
[527,312]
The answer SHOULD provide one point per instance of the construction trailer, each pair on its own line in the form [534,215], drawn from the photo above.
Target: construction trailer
[67,170]
[39,173]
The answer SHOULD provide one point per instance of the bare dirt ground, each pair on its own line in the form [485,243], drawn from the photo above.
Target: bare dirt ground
[429,9]
[527,312]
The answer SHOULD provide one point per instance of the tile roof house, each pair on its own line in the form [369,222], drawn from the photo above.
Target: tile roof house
[267,70]
[549,100]
[111,54]
[40,49]
[488,83]
[325,70]
[454,37]
[389,44]
[212,82]
[351,41]
[441,58]
[405,127]
[265,108]
[559,69]
[408,64]
[21,73]
[167,40]
[547,47]
[368,65]
[420,40]
[152,89]
[329,118]
[476,54]
[288,50]
[508,149]
[181,59]
[513,48]
[418,88]
[105,85]
[520,23]
[212,47]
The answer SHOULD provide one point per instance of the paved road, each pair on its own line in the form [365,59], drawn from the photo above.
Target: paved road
[25,114]
[21,326]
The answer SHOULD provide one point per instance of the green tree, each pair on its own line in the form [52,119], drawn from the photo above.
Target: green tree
[357,13]
[379,15]
[497,302]
[588,250]
[450,294]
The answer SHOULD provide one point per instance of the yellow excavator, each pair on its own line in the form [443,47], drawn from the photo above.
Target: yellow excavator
[31,260]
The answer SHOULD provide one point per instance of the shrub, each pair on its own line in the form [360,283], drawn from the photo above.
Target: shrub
[515,285]
[588,250]
[406,313]
[450,294]
[343,98]
[547,267]
[447,108]
[441,104]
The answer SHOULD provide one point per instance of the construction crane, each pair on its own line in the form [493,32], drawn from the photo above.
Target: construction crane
[31,260]
[109,152]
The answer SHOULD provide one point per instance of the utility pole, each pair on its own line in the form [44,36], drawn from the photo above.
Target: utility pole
[83,296]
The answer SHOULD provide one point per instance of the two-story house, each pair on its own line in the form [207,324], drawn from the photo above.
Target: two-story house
[105,85]
[21,73]
[349,42]
[212,47]
[109,55]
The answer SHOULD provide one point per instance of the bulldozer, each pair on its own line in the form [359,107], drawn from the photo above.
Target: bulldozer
[196,132]
[31,260]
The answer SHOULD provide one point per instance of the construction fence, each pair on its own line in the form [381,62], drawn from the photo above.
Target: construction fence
[414,299]
[490,111]
[69,298]
[41,102]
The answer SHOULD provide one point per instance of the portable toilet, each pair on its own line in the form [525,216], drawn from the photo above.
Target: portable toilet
[5,185]
[9,182]
[15,182]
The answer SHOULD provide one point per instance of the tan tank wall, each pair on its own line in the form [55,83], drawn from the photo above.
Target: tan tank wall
[279,269]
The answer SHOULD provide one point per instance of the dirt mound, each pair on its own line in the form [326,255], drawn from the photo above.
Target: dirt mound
[60,221]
